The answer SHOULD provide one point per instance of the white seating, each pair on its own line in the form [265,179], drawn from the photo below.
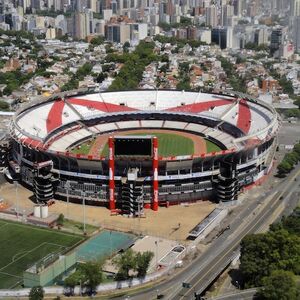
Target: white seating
[151,123]
[196,127]
[106,127]
[128,124]
[175,125]
[67,140]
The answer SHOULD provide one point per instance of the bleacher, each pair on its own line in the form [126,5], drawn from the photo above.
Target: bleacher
[67,140]
[38,121]
[128,124]
[152,123]
[174,125]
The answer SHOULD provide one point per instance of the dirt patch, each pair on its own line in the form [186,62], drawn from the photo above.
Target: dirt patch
[172,223]
[101,140]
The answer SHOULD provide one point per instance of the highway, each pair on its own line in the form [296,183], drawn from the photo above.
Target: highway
[200,272]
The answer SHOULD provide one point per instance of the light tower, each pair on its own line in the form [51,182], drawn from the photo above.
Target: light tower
[155,174]
[111,163]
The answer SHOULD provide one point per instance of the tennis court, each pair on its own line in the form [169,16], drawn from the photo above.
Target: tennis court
[104,245]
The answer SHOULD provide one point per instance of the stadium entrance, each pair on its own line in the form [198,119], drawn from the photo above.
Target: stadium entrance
[130,197]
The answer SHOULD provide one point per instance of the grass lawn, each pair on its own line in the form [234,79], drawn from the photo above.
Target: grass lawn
[211,147]
[169,144]
[77,227]
[22,245]
[84,148]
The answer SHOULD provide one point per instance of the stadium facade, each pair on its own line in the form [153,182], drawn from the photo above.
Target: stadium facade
[43,132]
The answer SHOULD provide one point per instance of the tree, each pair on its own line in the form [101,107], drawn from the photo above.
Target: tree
[126,47]
[292,158]
[286,85]
[280,285]
[185,21]
[60,220]
[290,223]
[142,262]
[134,64]
[72,280]
[88,274]
[100,77]
[96,41]
[4,106]
[297,148]
[284,167]
[91,274]
[164,26]
[292,113]
[125,263]
[263,253]
[36,293]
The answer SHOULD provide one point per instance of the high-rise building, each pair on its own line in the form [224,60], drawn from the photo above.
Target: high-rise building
[295,8]
[118,33]
[82,24]
[277,38]
[92,5]
[222,36]
[227,12]
[296,32]
[261,36]
[211,16]
[237,7]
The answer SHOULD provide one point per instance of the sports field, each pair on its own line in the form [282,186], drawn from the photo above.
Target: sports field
[23,245]
[104,244]
[211,147]
[170,144]
[84,148]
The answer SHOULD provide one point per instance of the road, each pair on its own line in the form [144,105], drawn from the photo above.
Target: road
[207,266]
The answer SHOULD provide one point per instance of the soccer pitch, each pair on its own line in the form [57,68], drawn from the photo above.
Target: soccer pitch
[23,245]
[170,144]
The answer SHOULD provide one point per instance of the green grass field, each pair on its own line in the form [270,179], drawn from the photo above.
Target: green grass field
[84,148]
[211,147]
[23,245]
[169,144]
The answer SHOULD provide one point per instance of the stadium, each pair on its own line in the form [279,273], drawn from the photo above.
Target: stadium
[131,150]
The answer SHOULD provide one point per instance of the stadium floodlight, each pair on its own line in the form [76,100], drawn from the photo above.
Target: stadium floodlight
[83,202]
[67,187]
[156,253]
[17,198]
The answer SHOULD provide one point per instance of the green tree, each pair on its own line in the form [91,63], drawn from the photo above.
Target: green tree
[72,280]
[60,220]
[36,293]
[91,274]
[98,40]
[297,148]
[292,158]
[284,167]
[290,223]
[263,253]
[164,26]
[292,113]
[126,47]
[4,106]
[134,64]
[142,262]
[286,85]
[125,263]
[185,21]
[280,285]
